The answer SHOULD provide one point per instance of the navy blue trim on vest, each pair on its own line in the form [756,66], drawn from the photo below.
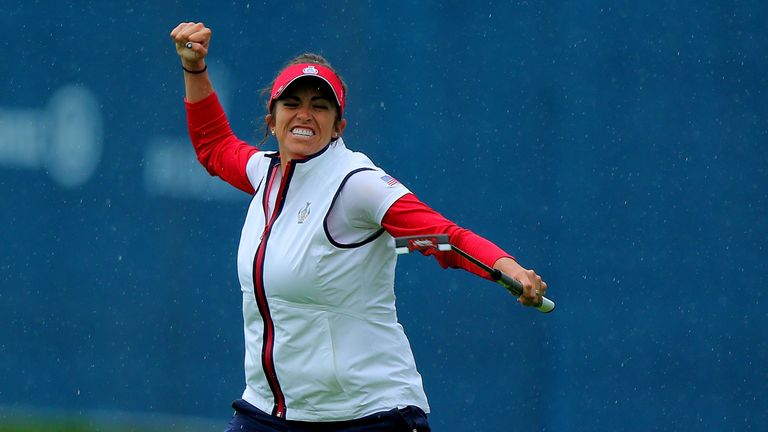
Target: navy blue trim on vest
[259,291]
[274,164]
[256,191]
[367,240]
[310,157]
[314,155]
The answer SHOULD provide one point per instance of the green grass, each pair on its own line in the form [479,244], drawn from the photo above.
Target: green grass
[40,427]
[101,422]
[79,426]
[61,426]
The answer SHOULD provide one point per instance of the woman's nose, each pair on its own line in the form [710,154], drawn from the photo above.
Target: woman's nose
[303,113]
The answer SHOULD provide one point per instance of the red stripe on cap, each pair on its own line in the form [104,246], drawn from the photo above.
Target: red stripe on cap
[294,72]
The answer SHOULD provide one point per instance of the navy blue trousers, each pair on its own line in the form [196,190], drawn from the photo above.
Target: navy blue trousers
[248,418]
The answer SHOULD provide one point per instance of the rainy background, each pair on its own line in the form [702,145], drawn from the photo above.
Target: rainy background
[618,148]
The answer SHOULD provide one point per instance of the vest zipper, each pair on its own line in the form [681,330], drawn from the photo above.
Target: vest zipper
[267,350]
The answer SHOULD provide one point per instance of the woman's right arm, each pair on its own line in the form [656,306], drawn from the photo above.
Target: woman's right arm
[197,85]
[218,149]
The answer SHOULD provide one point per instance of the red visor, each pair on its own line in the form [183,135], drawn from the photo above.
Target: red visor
[294,72]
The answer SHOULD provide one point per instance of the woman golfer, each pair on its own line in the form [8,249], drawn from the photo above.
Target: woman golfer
[316,263]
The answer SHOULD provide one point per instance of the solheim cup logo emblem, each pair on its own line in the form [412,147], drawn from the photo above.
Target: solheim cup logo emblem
[310,70]
[304,213]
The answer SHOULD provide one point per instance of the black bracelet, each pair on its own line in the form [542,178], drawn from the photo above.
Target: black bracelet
[195,71]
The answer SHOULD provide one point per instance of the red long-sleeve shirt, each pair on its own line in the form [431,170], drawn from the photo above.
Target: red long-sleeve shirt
[226,156]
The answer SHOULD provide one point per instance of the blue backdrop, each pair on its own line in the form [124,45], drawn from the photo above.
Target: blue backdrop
[619,148]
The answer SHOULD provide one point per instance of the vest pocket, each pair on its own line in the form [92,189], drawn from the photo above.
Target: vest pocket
[305,357]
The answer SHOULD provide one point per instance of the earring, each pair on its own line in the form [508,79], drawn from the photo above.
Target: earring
[273,131]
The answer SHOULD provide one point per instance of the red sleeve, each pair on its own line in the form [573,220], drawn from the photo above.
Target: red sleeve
[409,216]
[218,149]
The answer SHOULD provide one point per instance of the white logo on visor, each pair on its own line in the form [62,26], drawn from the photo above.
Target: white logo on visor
[310,70]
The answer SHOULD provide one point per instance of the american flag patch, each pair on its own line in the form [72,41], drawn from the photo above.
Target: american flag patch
[389,180]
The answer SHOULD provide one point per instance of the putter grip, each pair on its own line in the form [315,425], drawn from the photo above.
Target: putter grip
[514,287]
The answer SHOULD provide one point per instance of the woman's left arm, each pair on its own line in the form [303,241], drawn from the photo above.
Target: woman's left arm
[409,216]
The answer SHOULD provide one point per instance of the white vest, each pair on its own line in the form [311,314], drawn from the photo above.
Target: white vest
[321,333]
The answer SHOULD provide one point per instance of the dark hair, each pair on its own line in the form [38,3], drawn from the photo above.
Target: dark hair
[303,58]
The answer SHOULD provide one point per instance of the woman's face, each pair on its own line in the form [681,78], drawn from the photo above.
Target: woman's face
[304,120]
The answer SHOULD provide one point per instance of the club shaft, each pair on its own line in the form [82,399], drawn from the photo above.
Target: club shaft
[512,285]
[491,271]
[441,242]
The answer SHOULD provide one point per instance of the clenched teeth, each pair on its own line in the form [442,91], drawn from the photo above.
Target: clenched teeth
[302,132]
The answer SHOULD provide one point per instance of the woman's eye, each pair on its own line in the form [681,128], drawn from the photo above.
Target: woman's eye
[321,107]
